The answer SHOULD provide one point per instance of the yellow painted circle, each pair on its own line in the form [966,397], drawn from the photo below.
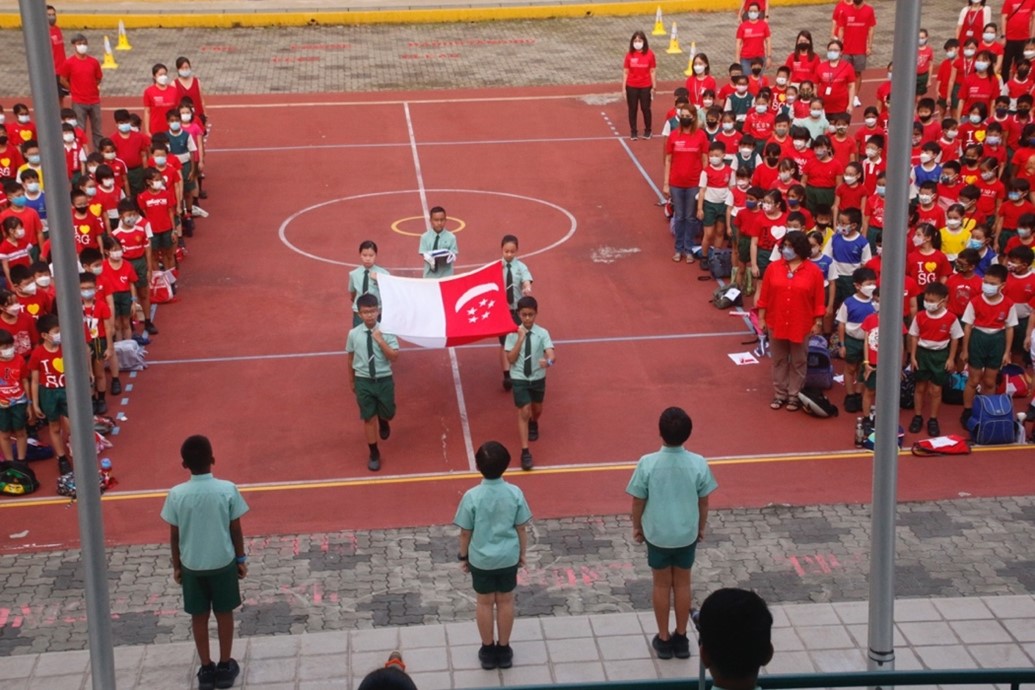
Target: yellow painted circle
[396,224]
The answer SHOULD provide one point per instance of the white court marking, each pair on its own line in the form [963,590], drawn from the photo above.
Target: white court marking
[405,144]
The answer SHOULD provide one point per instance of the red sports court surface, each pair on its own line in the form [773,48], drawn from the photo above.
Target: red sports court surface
[252,353]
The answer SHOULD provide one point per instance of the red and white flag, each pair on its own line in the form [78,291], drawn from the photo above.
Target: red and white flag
[443,313]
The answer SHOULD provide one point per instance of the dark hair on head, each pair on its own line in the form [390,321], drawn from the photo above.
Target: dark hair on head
[926,102]
[817,236]
[1027,220]
[528,302]
[807,35]
[127,205]
[735,633]
[936,289]
[6,338]
[45,323]
[643,37]
[755,192]
[854,215]
[717,146]
[435,209]
[181,61]
[771,150]
[40,267]
[368,244]
[777,198]
[675,426]
[507,239]
[997,271]
[387,679]
[87,277]
[682,91]
[930,232]
[970,255]
[158,67]
[30,174]
[799,242]
[121,115]
[492,459]
[796,215]
[822,210]
[6,297]
[951,43]
[196,452]
[12,223]
[877,140]
[90,255]
[862,274]
[366,300]
[1021,253]
[20,273]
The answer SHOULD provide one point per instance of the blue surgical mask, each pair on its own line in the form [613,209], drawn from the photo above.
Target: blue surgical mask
[87,293]
[18,201]
[989,290]
[975,244]
[33,160]
[750,205]
[1014,196]
[788,253]
[124,127]
[880,190]
[833,55]
[56,338]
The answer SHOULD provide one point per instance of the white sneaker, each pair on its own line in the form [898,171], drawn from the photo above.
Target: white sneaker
[857,103]
[198,211]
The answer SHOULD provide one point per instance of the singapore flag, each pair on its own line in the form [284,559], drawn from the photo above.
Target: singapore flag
[447,312]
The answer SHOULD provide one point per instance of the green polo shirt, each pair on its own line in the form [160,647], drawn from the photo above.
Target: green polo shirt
[521,274]
[491,511]
[446,240]
[671,480]
[361,354]
[540,344]
[203,508]
[356,284]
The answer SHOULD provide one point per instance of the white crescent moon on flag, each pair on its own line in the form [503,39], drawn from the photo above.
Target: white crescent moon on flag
[474,292]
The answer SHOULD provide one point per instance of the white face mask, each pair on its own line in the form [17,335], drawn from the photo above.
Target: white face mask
[162,79]
[699,68]
[918,240]
[1029,54]
[638,45]
[746,152]
[109,156]
[800,144]
[926,158]
[816,114]
[742,88]
[24,119]
[68,137]
[7,353]
[30,289]
[968,52]
[926,199]
[761,108]
[988,36]
[727,126]
[872,153]
[785,177]
[932,306]
[871,122]
[185,72]
[981,65]
[43,281]
[81,48]
[767,207]
[868,290]
[850,179]
[115,255]
[715,160]
[781,81]
[953,223]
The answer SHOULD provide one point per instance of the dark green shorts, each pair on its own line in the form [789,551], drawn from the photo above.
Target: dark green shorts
[1005,235]
[931,366]
[853,350]
[528,392]
[97,348]
[123,303]
[162,240]
[14,417]
[986,350]
[816,196]
[743,248]
[713,212]
[211,590]
[762,258]
[921,83]
[659,558]
[871,236]
[869,381]
[186,175]
[136,179]
[53,403]
[501,580]
[140,266]
[376,397]
[844,288]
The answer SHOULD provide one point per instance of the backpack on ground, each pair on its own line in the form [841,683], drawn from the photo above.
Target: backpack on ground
[816,404]
[1013,381]
[17,479]
[952,391]
[720,263]
[991,420]
[34,450]
[819,373]
[130,355]
[162,287]
[727,297]
[66,484]
[907,389]
[941,445]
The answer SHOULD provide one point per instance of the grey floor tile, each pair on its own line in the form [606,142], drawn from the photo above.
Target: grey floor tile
[786,640]
[780,619]
[620,647]
[630,669]
[861,636]
[431,681]
[1022,629]
[526,629]
[463,633]
[529,653]
[839,660]
[572,649]
[928,633]
[677,668]
[912,610]
[67,682]
[962,608]
[573,626]
[325,643]
[824,636]
[374,639]
[464,657]
[165,655]
[579,672]
[526,675]
[980,631]
[791,662]
[65,663]
[476,679]
[426,659]
[269,671]
[416,636]
[1013,606]
[274,647]
[616,624]
[130,657]
[341,683]
[811,614]
[1029,649]
[12,667]
[327,666]
[907,660]
[854,612]
[939,657]
[999,655]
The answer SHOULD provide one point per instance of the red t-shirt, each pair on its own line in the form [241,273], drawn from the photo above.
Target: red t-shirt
[864,133]
[934,215]
[158,102]
[935,329]
[991,192]
[991,316]
[638,63]
[38,304]
[157,205]
[823,173]
[698,85]
[977,89]
[130,147]
[843,149]
[94,317]
[792,300]
[10,160]
[14,374]
[855,22]
[961,292]
[950,149]
[16,252]
[194,93]
[759,126]
[49,365]
[24,332]
[685,148]
[850,197]
[802,67]
[1020,289]
[118,279]
[871,171]
[924,59]
[832,84]
[770,231]
[19,133]
[109,201]
[752,36]
[731,140]
[57,48]
[88,231]
[30,221]
[1018,18]
[871,327]
[927,268]
[84,79]
[944,75]
[971,133]
[764,177]
[134,241]
[875,211]
[1014,242]
[1010,212]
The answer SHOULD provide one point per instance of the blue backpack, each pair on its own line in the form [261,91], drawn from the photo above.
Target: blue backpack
[819,372]
[991,421]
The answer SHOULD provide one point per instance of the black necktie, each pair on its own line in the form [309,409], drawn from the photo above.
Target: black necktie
[366,281]
[528,354]
[370,351]
[438,236]
[510,285]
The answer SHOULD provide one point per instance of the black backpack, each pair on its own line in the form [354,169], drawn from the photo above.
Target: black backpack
[17,478]
[817,404]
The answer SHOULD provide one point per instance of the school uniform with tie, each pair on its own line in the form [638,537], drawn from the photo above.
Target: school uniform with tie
[362,282]
[528,376]
[375,390]
[432,241]
[515,275]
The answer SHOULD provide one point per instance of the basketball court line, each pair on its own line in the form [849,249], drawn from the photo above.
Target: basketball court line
[406,144]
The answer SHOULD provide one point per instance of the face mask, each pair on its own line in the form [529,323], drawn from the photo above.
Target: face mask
[816,114]
[753,15]
[81,210]
[115,255]
[19,234]
[803,47]
[988,176]
[160,160]
[43,281]
[746,152]
[793,203]
[951,134]
[872,153]
[781,81]
[756,71]
[34,159]
[727,126]
[175,126]
[52,20]
[109,156]
[850,179]
[1023,233]
[822,153]
[88,293]
[926,199]
[162,79]
[31,187]
[7,353]
[975,119]
[785,177]
[833,55]
[638,45]
[767,207]
[761,108]
[969,161]
[1001,112]
[90,192]
[791,98]
[24,119]
[953,223]
[684,121]
[186,117]
[96,270]
[945,179]
[715,160]
[918,240]
[988,36]
[751,204]
[707,102]
[950,54]
[989,290]
[124,127]
[981,65]
[29,289]
[129,221]
[81,48]
[973,244]
[992,141]
[107,184]
[17,201]
[868,290]
[788,253]
[158,186]
[926,157]
[781,131]
[880,190]
[742,88]
[56,338]
[71,123]
[841,128]
[1029,54]
[968,52]
[921,41]
[13,309]
[800,144]
[711,124]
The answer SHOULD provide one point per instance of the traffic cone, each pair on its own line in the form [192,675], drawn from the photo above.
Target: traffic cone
[673,42]
[659,24]
[123,43]
[690,63]
[109,57]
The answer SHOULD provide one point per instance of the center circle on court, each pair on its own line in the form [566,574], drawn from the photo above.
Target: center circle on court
[453,225]
[331,231]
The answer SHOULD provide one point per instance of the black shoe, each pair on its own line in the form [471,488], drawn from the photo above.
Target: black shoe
[374,463]
[662,647]
[116,386]
[226,673]
[853,402]
[916,424]
[932,427]
[384,430]
[680,646]
[64,466]
[150,327]
[100,406]
[533,431]
[504,656]
[207,677]
[634,136]
[647,134]
[526,459]
[487,656]
[508,385]
[965,417]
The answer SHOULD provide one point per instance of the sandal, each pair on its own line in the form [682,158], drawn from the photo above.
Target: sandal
[678,256]
[793,405]
[777,403]
[690,258]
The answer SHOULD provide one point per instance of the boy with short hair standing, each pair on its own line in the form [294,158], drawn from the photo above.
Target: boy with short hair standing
[438,246]
[530,352]
[371,354]
[208,556]
[492,518]
[665,516]
[988,330]
[934,337]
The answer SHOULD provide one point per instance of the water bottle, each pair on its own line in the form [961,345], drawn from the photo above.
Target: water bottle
[1021,437]
[860,433]
[106,478]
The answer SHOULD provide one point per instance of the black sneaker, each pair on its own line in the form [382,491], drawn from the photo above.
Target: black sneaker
[384,430]
[634,136]
[116,386]
[662,647]
[374,463]
[680,646]
[533,431]
[504,656]
[853,402]
[64,466]
[526,459]
[487,656]
[965,417]
[226,673]
[207,677]
[933,429]
[916,424]
[647,134]
[508,385]
[150,328]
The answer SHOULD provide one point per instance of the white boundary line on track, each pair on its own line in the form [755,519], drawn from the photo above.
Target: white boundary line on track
[405,144]
[454,364]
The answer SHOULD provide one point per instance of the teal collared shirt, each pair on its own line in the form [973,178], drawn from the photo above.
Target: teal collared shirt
[540,344]
[671,480]
[356,345]
[203,508]
[519,271]
[356,284]
[491,511]
[447,240]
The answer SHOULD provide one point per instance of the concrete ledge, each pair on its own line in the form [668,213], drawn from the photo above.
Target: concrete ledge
[162,15]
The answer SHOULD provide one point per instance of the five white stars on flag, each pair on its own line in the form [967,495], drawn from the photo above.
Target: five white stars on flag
[472,313]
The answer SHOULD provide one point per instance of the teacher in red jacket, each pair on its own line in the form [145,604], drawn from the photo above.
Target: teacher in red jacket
[791,308]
